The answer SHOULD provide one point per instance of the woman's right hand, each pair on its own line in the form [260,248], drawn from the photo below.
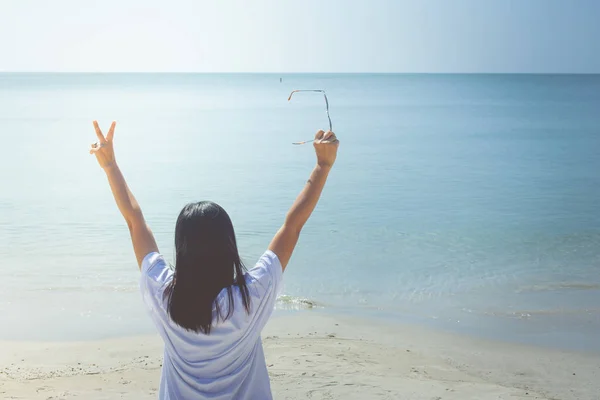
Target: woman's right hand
[326,145]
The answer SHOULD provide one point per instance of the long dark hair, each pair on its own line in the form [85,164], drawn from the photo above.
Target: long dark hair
[206,262]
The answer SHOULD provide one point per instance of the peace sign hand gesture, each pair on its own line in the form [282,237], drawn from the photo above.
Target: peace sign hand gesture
[103,148]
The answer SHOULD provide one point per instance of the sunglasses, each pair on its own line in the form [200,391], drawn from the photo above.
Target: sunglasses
[326,110]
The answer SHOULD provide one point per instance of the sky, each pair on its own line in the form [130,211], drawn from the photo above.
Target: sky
[428,36]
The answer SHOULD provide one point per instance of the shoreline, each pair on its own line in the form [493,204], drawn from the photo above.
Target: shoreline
[561,330]
[475,328]
[319,355]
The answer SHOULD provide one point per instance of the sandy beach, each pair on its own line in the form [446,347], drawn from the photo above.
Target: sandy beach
[314,355]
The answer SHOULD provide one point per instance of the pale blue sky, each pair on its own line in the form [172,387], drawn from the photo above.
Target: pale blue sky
[301,35]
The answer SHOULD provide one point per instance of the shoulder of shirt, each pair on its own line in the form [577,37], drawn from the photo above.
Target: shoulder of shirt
[268,265]
[151,260]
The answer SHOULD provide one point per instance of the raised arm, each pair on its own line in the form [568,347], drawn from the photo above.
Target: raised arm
[141,235]
[284,242]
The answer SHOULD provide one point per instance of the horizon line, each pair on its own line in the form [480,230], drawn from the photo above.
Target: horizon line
[295,73]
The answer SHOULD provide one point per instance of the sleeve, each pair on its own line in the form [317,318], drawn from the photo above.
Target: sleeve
[265,283]
[155,275]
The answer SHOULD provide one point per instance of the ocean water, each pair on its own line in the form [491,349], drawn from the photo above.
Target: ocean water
[467,202]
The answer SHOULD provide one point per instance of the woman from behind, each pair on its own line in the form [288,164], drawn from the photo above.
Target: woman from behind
[210,310]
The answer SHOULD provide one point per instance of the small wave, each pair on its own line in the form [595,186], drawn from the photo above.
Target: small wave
[286,302]
[529,314]
[559,286]
[86,289]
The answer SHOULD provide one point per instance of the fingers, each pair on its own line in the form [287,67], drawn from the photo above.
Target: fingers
[330,138]
[94,150]
[99,134]
[111,131]
[325,138]
[95,147]
[328,135]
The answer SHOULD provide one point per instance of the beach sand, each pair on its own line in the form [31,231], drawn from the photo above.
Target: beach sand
[314,355]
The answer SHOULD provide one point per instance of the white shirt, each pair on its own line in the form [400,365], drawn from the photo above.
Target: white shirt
[229,363]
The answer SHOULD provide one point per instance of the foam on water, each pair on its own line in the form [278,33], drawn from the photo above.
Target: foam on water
[558,286]
[286,302]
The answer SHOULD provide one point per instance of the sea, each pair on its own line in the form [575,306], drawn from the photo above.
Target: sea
[466,203]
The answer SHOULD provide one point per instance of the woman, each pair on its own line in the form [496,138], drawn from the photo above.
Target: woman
[210,310]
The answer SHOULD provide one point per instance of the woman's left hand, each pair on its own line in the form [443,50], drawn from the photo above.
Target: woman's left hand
[103,148]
